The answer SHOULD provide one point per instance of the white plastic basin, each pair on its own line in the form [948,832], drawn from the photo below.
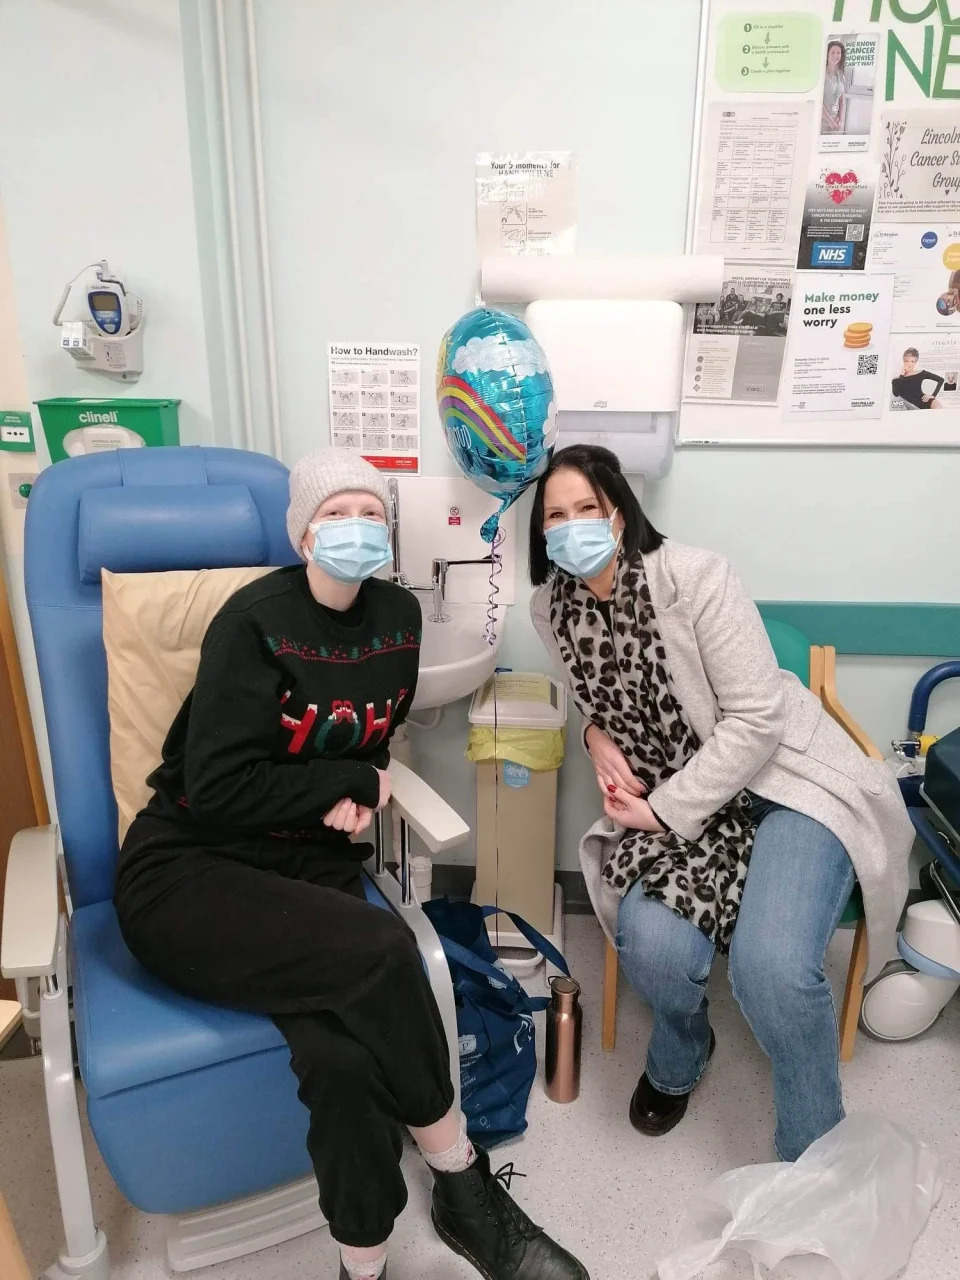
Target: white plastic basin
[454,657]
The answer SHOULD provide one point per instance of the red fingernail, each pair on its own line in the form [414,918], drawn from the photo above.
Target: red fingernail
[611,787]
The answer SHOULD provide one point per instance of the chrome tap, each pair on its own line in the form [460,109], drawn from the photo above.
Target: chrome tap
[396,573]
[438,576]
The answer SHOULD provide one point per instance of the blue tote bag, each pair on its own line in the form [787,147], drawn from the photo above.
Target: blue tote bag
[498,1057]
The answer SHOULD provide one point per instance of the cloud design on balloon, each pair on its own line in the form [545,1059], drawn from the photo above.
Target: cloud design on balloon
[523,358]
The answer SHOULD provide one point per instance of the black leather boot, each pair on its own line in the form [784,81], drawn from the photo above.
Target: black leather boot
[476,1216]
[344,1276]
[655,1113]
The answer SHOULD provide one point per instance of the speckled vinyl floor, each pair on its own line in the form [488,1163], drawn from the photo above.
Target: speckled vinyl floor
[610,1194]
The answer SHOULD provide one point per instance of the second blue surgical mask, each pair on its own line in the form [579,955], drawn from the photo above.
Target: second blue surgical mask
[350,550]
[582,547]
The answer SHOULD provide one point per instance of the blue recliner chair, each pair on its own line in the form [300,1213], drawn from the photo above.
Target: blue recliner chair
[194,1108]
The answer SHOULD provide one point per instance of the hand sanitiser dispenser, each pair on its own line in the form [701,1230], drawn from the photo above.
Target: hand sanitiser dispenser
[617,367]
[101,323]
[612,330]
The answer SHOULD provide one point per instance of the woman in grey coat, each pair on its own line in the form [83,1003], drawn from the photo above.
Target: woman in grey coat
[737,815]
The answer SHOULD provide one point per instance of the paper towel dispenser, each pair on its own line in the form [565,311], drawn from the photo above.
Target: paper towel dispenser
[686,277]
[616,367]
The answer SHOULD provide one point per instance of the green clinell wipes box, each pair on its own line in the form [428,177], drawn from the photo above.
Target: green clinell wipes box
[74,426]
[16,431]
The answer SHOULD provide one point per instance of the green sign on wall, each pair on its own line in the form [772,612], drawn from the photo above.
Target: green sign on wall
[16,431]
[768,52]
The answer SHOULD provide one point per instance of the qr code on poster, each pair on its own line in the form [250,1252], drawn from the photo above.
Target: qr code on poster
[855,232]
[868,363]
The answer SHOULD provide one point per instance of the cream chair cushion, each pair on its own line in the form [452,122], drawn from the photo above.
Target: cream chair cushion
[153,626]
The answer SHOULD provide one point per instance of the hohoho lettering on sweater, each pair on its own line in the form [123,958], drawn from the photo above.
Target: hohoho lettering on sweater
[340,732]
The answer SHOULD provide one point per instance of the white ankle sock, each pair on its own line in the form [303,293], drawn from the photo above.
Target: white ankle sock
[456,1158]
[363,1270]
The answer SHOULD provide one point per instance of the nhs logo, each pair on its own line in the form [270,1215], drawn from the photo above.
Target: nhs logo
[826,254]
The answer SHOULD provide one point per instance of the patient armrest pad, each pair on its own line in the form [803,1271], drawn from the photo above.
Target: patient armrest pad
[435,822]
[31,907]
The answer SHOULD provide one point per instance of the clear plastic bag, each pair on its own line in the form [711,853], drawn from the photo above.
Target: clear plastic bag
[849,1209]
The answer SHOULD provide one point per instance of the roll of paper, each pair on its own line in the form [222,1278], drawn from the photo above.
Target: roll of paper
[682,278]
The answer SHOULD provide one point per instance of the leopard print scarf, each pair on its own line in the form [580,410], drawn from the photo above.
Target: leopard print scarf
[620,682]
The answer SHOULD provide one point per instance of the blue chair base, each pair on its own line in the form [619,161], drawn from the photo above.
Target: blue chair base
[219,1134]
[191,1105]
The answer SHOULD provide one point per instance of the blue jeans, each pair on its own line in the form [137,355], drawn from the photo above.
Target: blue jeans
[797,886]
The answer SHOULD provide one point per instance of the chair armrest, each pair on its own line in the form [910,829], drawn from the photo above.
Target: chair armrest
[838,711]
[435,822]
[31,907]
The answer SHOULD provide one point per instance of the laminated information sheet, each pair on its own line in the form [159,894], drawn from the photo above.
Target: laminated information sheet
[838,346]
[849,78]
[922,372]
[526,202]
[925,259]
[375,402]
[919,165]
[752,179]
[735,352]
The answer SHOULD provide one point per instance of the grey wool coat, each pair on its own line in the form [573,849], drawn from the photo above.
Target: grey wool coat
[760,728]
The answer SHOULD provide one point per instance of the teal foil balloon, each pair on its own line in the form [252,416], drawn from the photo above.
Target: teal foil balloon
[495,397]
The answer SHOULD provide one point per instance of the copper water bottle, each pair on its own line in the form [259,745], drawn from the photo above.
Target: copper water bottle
[564,1037]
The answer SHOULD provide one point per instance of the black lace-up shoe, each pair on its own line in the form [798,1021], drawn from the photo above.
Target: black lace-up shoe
[655,1113]
[477,1217]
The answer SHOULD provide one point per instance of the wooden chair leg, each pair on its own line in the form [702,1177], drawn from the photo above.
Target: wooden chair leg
[816,670]
[13,1265]
[611,971]
[853,995]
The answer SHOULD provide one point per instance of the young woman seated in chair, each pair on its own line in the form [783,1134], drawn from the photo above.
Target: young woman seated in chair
[736,813]
[239,884]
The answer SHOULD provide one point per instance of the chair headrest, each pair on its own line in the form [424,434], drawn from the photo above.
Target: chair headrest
[136,529]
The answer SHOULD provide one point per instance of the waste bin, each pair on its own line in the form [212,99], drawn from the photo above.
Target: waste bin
[516,740]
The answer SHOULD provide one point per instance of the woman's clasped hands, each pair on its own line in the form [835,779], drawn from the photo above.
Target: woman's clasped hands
[623,793]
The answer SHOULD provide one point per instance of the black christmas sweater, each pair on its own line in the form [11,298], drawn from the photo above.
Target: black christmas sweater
[293,709]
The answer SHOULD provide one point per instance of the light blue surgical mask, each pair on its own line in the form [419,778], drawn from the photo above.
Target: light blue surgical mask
[350,550]
[582,547]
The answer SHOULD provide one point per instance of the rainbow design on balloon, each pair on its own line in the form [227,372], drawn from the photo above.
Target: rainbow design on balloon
[459,403]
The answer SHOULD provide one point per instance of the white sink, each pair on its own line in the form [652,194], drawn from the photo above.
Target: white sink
[454,657]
